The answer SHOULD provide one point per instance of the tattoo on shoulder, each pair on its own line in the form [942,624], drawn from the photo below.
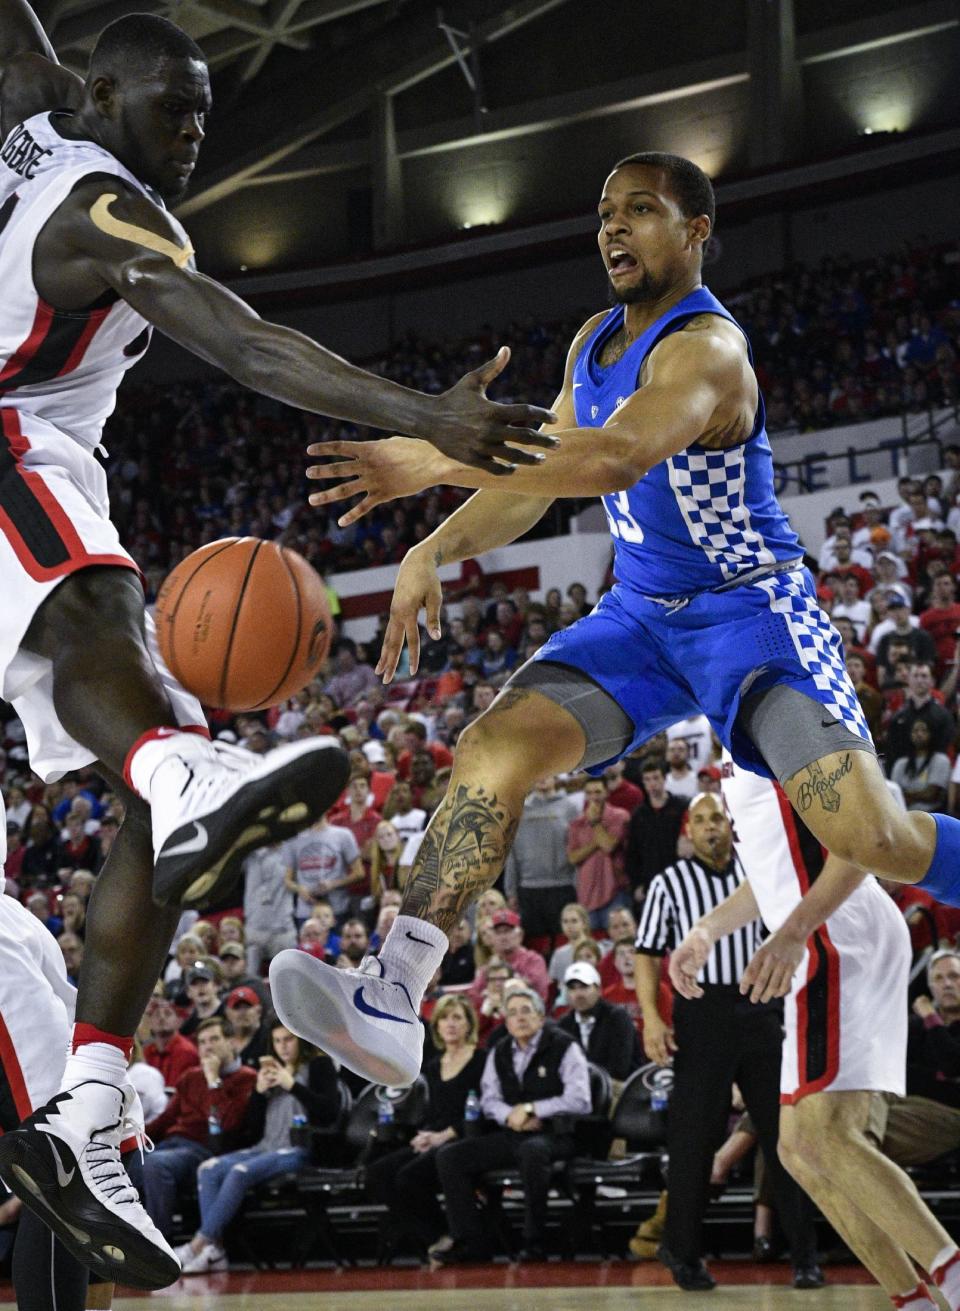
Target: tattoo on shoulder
[818,786]
[510,697]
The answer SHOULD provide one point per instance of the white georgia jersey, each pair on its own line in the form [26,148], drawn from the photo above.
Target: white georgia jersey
[62,367]
[768,845]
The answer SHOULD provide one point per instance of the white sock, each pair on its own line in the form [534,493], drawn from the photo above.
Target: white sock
[918,1299]
[412,953]
[95,1060]
[945,1271]
[143,763]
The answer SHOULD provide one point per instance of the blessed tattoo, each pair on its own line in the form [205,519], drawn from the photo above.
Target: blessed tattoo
[823,787]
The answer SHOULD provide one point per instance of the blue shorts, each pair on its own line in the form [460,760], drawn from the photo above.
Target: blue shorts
[663,664]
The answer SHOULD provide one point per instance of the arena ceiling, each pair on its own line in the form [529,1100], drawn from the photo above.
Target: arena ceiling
[418,101]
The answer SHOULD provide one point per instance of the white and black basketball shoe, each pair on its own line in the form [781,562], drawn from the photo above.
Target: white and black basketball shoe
[209,812]
[64,1163]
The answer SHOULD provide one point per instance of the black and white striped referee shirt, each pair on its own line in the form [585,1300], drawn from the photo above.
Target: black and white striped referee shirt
[678,897]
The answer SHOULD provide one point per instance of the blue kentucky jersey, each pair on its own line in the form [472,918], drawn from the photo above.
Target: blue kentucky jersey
[702,518]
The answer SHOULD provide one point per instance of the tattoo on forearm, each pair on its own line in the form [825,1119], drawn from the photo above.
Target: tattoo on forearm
[823,787]
[438,557]
[463,851]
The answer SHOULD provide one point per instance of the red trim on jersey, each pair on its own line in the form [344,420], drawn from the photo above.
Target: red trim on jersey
[42,320]
[46,503]
[76,355]
[14,1074]
[821,943]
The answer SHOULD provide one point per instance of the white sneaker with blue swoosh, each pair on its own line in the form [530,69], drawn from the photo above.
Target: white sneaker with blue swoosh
[366,1020]
[64,1163]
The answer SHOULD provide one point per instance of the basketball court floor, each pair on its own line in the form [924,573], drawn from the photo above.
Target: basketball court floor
[608,1286]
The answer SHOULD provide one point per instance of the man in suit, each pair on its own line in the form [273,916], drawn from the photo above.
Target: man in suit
[603,1029]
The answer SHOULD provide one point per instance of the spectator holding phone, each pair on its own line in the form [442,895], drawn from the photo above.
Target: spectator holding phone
[292,1081]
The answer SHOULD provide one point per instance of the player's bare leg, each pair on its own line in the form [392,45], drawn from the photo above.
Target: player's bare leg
[64,1160]
[845,802]
[867,1197]
[368,1018]
[210,805]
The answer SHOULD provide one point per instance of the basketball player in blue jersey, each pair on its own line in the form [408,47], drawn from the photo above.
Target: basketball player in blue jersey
[91,261]
[712,613]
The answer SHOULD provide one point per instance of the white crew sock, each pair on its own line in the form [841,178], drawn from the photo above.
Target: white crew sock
[945,1271]
[144,762]
[412,954]
[918,1299]
[95,1060]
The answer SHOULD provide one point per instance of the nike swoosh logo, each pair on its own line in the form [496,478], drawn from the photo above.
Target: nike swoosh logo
[365,1007]
[830,723]
[576,385]
[63,1177]
[197,843]
[413,938]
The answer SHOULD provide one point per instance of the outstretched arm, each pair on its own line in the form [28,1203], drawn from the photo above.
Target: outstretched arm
[107,236]
[770,972]
[491,518]
[698,386]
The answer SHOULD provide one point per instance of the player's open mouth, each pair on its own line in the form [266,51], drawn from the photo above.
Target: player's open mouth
[620,261]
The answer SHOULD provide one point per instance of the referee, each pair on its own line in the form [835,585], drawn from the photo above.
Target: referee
[718,1041]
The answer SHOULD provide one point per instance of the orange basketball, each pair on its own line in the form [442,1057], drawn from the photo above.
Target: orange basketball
[243,623]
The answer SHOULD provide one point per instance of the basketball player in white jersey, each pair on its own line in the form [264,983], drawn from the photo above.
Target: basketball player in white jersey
[90,261]
[840,954]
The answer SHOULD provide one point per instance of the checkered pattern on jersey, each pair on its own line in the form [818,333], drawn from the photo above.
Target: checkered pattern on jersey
[818,645]
[709,488]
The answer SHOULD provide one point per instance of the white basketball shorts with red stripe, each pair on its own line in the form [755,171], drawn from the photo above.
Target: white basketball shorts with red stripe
[54,520]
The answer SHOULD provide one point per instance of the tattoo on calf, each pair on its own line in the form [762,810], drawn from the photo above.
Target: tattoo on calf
[823,787]
[463,851]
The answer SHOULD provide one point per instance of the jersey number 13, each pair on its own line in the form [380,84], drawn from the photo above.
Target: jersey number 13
[622,522]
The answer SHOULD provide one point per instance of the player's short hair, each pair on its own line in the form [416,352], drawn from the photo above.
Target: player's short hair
[140,41]
[689,185]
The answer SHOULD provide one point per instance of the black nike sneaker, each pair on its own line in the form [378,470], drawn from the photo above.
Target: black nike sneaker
[63,1162]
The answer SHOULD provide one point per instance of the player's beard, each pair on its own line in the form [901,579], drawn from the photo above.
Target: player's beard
[643,291]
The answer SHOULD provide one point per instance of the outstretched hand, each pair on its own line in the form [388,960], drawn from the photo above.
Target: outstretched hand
[380,471]
[481,433]
[417,588]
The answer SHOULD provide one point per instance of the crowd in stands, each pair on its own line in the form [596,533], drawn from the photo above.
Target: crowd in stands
[845,341]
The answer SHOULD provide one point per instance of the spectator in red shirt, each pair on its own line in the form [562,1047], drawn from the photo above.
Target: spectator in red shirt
[845,564]
[168,1050]
[595,842]
[211,1096]
[359,815]
[942,619]
[621,924]
[624,990]
[620,791]
[415,739]
[507,934]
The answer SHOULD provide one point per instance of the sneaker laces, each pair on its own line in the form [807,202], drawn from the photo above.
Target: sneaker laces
[105,1169]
